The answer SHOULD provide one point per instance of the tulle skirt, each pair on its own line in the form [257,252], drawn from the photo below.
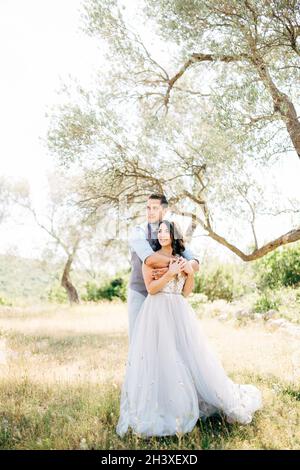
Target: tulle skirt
[173,377]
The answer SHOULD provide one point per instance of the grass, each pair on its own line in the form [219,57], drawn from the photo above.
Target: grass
[61,371]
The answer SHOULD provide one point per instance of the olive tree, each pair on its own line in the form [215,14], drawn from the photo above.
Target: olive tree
[199,127]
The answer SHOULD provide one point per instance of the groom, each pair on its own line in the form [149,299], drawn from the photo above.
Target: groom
[141,241]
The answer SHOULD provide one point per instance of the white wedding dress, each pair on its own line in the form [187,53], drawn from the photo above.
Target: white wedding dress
[172,376]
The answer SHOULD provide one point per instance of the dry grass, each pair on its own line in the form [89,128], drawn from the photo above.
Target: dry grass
[61,372]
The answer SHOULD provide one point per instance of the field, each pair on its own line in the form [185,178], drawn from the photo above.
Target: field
[62,368]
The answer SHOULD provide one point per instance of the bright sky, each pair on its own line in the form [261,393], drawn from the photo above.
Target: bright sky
[40,43]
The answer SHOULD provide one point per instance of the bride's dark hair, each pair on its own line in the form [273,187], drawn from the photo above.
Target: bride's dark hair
[176,238]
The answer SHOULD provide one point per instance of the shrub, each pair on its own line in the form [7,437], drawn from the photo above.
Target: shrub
[5,302]
[217,284]
[265,302]
[57,294]
[279,268]
[115,288]
[196,301]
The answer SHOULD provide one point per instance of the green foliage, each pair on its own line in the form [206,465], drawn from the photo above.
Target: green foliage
[115,288]
[34,280]
[57,294]
[4,301]
[25,278]
[72,132]
[265,302]
[279,268]
[217,284]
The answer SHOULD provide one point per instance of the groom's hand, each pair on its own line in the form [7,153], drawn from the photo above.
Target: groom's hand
[158,272]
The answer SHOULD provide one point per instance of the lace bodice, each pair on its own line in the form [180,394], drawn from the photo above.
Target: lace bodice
[175,285]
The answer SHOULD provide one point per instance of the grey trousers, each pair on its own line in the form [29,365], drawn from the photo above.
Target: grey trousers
[134,302]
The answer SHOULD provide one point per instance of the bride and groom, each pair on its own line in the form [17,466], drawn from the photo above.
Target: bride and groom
[173,377]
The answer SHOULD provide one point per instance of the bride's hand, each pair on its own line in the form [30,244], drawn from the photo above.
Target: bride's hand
[175,266]
[187,268]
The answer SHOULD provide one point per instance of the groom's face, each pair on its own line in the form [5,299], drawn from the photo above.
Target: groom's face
[155,211]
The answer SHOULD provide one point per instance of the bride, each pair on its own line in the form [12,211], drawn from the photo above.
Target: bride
[172,377]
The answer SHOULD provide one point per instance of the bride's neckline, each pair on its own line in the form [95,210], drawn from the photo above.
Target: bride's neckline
[160,251]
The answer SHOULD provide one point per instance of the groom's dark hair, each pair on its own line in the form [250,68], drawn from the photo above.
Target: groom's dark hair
[161,197]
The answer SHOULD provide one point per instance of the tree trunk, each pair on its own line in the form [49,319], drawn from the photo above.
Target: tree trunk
[67,284]
[282,104]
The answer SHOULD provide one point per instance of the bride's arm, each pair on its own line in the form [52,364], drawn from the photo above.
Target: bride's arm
[154,286]
[189,284]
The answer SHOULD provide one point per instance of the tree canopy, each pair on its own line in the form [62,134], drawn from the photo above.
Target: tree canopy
[200,127]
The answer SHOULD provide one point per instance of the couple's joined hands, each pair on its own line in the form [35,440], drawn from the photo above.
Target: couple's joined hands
[176,265]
